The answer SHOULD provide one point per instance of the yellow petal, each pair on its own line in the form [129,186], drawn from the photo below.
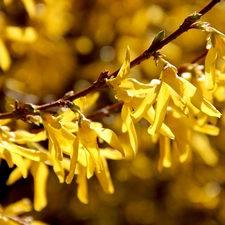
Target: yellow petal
[6,155]
[82,156]
[123,72]
[207,129]
[111,154]
[165,153]
[123,95]
[4,122]
[111,138]
[161,108]
[22,206]
[188,92]
[197,100]
[82,192]
[164,130]
[178,101]
[57,165]
[66,140]
[201,144]
[73,161]
[129,125]
[182,136]
[26,152]
[145,104]
[39,172]
[20,163]
[220,78]
[55,137]
[91,165]
[135,87]
[220,43]
[104,178]
[18,172]
[219,94]
[22,136]
[88,138]
[210,68]
[30,7]
[5,60]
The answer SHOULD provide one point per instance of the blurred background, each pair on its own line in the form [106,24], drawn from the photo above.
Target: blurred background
[48,48]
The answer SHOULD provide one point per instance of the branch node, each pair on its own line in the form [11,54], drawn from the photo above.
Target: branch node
[100,82]
[190,20]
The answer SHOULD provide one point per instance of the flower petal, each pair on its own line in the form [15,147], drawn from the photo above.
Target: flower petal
[57,165]
[25,152]
[201,144]
[39,172]
[104,178]
[82,192]
[22,136]
[123,72]
[88,139]
[19,172]
[165,153]
[178,101]
[22,206]
[161,108]
[73,161]
[164,130]
[210,68]
[195,97]
[129,126]
[111,138]
[145,104]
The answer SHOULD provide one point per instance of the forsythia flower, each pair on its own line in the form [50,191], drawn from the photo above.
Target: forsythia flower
[25,159]
[103,177]
[10,215]
[171,93]
[78,137]
[137,98]
[186,139]
[216,46]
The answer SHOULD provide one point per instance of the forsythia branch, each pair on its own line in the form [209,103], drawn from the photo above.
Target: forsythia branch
[22,111]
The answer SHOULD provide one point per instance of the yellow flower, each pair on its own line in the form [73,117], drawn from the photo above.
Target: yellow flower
[87,136]
[10,215]
[165,153]
[216,46]
[26,158]
[39,172]
[103,177]
[72,134]
[189,93]
[185,97]
[131,92]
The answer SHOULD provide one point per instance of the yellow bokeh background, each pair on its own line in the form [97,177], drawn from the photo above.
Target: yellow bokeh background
[57,46]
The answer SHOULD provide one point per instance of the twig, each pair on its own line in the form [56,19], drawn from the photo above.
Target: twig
[105,111]
[100,83]
[200,57]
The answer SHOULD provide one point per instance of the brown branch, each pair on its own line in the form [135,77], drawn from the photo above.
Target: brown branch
[105,111]
[200,57]
[101,84]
